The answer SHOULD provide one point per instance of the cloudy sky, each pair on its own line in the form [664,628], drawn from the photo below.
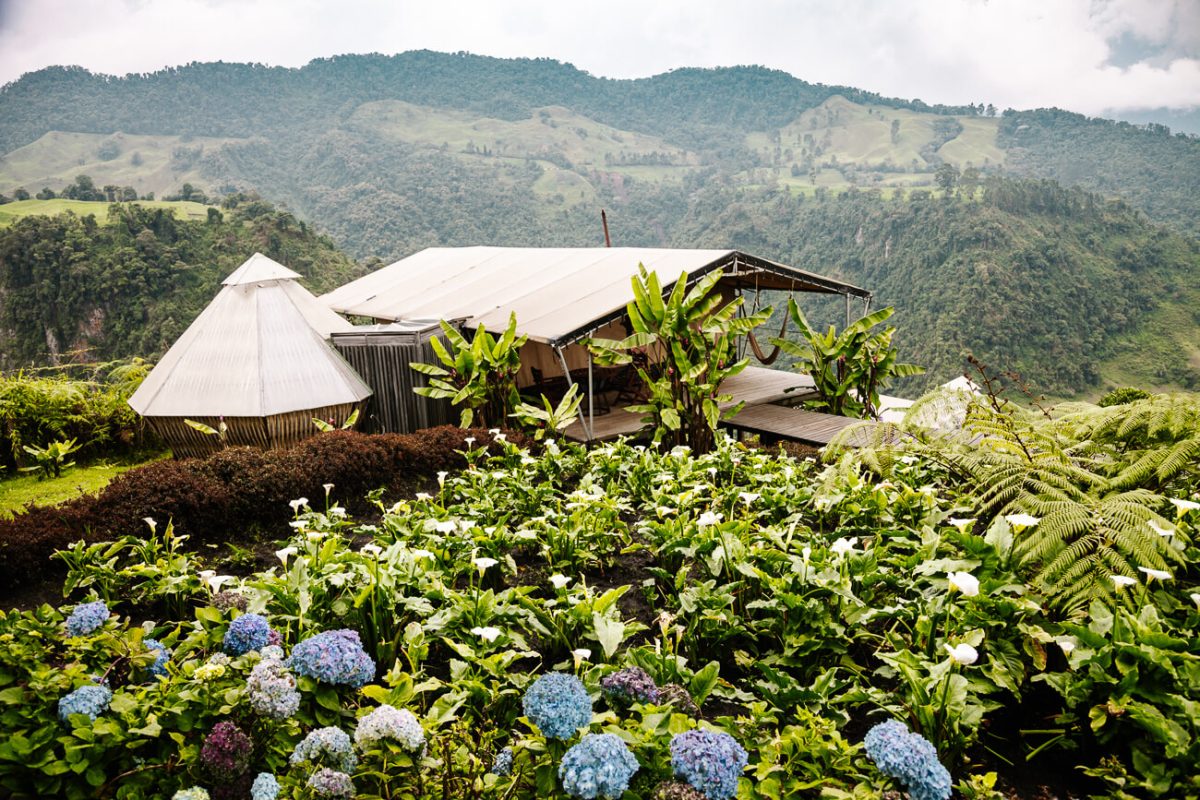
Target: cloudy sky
[1093,56]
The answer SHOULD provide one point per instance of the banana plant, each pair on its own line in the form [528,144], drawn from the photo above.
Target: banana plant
[850,368]
[326,427]
[689,337]
[51,460]
[480,375]
[550,419]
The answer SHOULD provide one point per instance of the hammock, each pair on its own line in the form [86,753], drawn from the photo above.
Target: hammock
[758,353]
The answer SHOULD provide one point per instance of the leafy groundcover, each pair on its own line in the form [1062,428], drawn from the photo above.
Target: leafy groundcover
[613,622]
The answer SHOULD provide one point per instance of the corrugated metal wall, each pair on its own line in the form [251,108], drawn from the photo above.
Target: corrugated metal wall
[269,433]
[383,359]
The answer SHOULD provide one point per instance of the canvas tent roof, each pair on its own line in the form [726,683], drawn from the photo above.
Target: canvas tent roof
[558,294]
[257,350]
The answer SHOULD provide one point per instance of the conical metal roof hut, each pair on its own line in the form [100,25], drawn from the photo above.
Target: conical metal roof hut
[258,359]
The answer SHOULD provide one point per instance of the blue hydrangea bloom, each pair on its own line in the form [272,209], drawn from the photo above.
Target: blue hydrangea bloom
[86,618]
[271,690]
[326,746]
[710,761]
[909,758]
[247,632]
[265,787]
[333,657]
[161,657]
[600,765]
[558,704]
[327,782]
[92,700]
[503,763]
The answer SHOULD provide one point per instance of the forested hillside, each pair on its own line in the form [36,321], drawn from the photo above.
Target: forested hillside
[130,287]
[967,219]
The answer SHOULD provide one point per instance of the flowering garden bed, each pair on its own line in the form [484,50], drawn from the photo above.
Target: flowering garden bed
[609,623]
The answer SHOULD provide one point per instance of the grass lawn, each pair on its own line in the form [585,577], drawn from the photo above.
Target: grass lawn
[16,492]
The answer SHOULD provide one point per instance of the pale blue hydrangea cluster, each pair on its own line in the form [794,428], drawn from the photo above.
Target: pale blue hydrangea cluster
[191,793]
[161,656]
[247,632]
[271,690]
[327,782]
[86,618]
[600,765]
[91,700]
[388,722]
[558,704]
[333,657]
[503,763]
[265,787]
[710,761]
[909,758]
[272,651]
[326,746]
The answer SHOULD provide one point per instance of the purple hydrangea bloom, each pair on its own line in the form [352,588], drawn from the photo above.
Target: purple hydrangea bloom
[711,762]
[558,704]
[909,758]
[247,632]
[91,700]
[327,782]
[86,618]
[333,657]
[274,638]
[229,599]
[503,763]
[226,753]
[271,690]
[326,746]
[265,787]
[600,765]
[161,656]
[630,685]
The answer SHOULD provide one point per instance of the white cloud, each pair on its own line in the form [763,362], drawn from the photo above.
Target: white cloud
[1018,53]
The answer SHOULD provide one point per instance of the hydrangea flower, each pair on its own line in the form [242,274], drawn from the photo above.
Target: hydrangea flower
[274,638]
[208,672]
[86,618]
[333,657]
[229,599]
[387,722]
[327,782]
[503,763]
[247,632]
[326,746]
[673,694]
[630,685]
[600,765]
[909,758]
[265,787]
[91,700]
[558,704]
[710,761]
[191,793]
[675,790]
[226,752]
[272,651]
[271,690]
[162,656]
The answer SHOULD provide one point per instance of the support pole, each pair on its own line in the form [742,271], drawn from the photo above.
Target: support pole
[591,398]
[847,310]
[587,428]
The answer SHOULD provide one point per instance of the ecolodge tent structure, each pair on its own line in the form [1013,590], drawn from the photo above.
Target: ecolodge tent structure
[257,358]
[560,296]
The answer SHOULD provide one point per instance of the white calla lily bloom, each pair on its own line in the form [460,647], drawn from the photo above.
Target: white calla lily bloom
[1067,646]
[749,497]
[1183,506]
[1021,520]
[963,582]
[708,518]
[843,545]
[961,523]
[580,655]
[488,634]
[1195,598]
[483,564]
[1122,581]
[286,553]
[371,549]
[1156,574]
[962,653]
[297,504]
[1160,530]
[559,581]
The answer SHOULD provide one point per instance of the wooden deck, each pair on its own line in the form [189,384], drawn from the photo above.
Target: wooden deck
[753,385]
[795,424]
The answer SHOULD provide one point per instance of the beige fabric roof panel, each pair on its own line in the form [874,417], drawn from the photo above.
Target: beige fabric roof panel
[553,291]
[258,349]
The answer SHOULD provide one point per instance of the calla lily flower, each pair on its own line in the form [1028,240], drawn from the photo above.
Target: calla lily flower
[963,582]
[484,564]
[843,545]
[961,524]
[1183,506]
[1122,581]
[559,581]
[286,553]
[1160,530]
[1021,520]
[963,653]
[1155,574]
[708,518]
[488,634]
[298,504]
